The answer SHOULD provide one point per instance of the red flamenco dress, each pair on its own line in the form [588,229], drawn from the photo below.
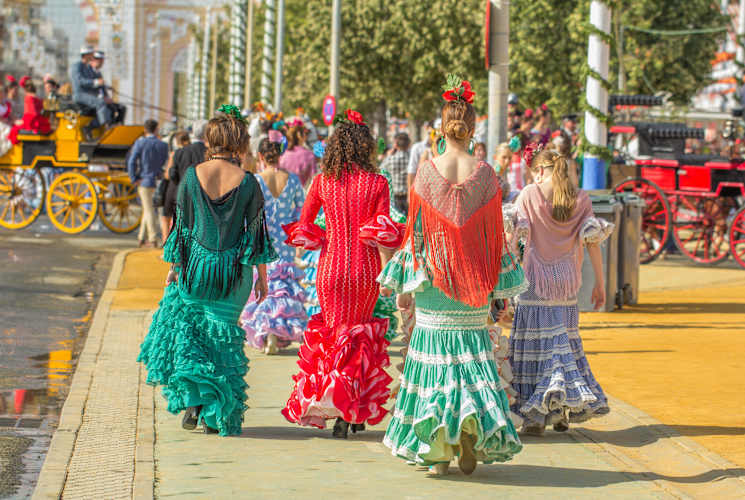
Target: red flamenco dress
[33,118]
[343,359]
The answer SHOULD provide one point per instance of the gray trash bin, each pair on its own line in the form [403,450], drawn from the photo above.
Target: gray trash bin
[629,239]
[605,207]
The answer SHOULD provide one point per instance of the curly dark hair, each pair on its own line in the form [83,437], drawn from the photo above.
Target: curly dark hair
[350,145]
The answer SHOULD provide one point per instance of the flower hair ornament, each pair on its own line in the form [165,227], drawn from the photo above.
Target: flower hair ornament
[232,111]
[350,116]
[530,151]
[295,122]
[457,89]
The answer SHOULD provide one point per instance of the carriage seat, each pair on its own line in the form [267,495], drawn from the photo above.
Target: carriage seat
[689,159]
[68,104]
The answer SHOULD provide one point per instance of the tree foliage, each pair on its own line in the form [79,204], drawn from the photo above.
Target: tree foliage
[548,49]
[395,53]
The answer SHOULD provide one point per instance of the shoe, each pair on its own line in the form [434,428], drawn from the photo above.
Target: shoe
[208,430]
[357,428]
[563,424]
[341,429]
[439,469]
[191,418]
[271,345]
[467,457]
[534,429]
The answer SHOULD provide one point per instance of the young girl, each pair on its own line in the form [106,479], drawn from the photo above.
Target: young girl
[503,157]
[281,318]
[33,107]
[552,378]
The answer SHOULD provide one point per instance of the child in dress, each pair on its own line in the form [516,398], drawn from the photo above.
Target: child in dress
[33,118]
[552,378]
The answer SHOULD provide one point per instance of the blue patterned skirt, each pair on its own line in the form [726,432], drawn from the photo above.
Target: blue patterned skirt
[552,377]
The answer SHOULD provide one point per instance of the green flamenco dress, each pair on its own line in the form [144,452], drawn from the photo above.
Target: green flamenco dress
[194,347]
[450,382]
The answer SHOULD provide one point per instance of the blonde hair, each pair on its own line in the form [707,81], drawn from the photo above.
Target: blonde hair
[505,146]
[564,191]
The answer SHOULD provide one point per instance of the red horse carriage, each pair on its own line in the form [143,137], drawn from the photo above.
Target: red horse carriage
[695,201]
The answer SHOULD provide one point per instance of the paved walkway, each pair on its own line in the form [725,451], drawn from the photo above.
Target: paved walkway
[116,440]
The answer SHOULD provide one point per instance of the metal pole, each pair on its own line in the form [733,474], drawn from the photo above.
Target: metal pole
[237,54]
[499,69]
[740,53]
[204,57]
[213,73]
[280,52]
[335,37]
[619,53]
[597,97]
[266,68]
[249,55]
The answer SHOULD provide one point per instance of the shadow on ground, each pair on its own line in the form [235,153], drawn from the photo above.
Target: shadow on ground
[641,435]
[537,476]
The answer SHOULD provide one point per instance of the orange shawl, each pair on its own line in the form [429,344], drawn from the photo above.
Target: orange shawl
[463,232]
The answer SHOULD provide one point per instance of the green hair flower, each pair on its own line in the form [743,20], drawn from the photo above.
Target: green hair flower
[232,110]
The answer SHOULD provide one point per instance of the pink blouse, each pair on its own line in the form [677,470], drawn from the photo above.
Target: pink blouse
[299,161]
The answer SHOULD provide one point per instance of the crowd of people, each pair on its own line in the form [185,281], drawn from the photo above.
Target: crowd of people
[429,228]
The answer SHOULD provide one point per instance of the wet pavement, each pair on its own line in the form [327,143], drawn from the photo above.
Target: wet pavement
[49,285]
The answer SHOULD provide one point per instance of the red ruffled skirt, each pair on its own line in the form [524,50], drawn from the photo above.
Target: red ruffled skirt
[342,374]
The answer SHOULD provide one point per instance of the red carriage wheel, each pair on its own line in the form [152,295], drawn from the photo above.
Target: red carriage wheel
[700,228]
[737,237]
[656,217]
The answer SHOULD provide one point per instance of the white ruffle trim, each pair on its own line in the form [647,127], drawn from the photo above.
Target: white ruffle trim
[596,230]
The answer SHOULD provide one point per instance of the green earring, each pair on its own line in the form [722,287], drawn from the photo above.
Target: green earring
[471,147]
[441,145]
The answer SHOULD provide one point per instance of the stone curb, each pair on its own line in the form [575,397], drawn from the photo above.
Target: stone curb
[54,471]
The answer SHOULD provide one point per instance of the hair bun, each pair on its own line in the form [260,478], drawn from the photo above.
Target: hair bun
[457,129]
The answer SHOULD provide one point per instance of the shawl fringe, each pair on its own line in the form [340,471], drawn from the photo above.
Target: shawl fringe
[556,280]
[465,261]
[222,269]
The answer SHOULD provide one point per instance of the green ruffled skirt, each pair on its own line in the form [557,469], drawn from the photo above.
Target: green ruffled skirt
[450,382]
[194,349]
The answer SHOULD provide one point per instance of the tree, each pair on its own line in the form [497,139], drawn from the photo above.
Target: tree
[548,49]
[394,54]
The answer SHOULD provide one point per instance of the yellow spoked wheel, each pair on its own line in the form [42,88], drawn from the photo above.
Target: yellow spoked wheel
[72,203]
[118,206]
[21,197]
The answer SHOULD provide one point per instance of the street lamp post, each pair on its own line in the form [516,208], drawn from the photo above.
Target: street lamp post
[499,68]
[335,40]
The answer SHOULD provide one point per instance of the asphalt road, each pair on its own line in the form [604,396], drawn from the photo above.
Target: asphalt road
[49,286]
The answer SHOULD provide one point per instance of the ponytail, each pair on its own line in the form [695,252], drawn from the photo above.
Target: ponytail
[565,193]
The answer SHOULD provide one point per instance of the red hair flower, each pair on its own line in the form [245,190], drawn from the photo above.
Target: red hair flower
[530,151]
[355,117]
[24,81]
[10,78]
[463,91]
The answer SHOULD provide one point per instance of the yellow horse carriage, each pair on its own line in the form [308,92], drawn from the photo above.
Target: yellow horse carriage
[91,177]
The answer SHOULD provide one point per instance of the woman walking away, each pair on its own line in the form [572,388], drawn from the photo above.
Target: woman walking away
[343,358]
[552,378]
[298,159]
[281,318]
[195,347]
[451,401]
